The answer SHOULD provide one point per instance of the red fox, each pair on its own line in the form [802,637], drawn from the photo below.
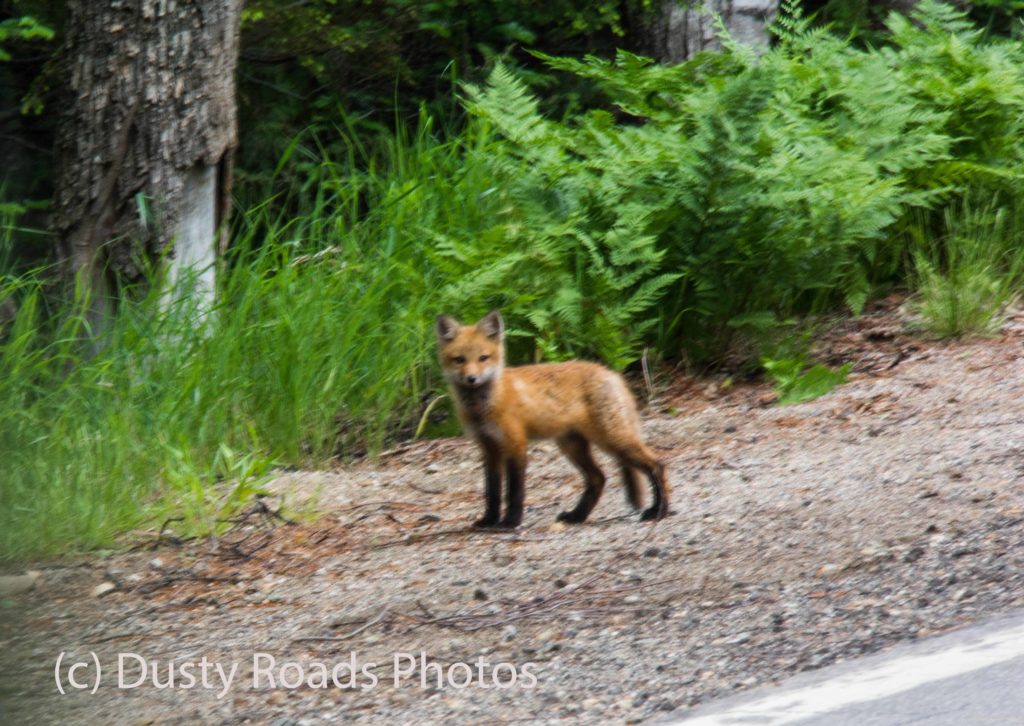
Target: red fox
[575,403]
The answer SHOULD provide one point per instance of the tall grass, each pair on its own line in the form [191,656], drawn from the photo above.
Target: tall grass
[297,363]
[320,345]
[965,273]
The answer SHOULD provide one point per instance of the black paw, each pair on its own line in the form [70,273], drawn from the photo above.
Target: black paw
[486,523]
[653,514]
[510,522]
[572,517]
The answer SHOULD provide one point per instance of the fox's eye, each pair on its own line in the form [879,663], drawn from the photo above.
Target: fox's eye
[458,359]
[484,357]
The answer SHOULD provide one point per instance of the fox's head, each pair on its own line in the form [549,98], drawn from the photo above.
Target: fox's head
[471,355]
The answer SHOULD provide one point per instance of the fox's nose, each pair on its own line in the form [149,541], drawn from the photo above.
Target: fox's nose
[470,379]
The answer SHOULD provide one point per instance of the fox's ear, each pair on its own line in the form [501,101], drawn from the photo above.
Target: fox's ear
[446,327]
[492,325]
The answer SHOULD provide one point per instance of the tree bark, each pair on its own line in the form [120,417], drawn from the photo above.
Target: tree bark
[680,30]
[145,141]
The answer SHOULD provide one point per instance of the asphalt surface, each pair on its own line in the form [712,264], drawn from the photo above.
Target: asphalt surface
[973,676]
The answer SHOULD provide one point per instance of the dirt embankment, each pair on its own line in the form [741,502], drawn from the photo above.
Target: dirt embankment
[890,509]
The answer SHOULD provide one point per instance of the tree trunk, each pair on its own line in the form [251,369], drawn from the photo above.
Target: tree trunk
[682,29]
[145,142]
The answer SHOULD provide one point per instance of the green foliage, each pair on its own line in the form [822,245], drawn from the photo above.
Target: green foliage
[864,21]
[966,275]
[796,382]
[303,62]
[23,28]
[205,510]
[773,186]
[585,276]
[300,361]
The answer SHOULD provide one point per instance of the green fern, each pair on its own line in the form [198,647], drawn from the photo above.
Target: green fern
[770,186]
[790,24]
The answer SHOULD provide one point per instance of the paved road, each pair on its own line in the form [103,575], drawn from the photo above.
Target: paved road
[973,676]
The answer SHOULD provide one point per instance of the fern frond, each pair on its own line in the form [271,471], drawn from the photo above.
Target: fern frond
[790,24]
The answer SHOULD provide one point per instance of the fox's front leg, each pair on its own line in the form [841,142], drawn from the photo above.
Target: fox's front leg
[492,486]
[515,478]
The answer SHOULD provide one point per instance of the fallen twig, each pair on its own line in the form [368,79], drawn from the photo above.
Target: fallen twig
[409,539]
[347,636]
[424,490]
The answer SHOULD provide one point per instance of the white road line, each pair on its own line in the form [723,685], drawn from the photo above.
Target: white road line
[871,683]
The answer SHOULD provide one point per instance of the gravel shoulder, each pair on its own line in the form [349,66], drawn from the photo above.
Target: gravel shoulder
[888,510]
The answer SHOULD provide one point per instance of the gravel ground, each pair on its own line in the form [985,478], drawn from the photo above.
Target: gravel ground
[888,510]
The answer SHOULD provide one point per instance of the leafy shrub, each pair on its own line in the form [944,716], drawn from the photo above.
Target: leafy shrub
[967,274]
[796,381]
[768,186]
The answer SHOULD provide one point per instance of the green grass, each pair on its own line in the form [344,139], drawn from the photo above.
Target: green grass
[296,364]
[965,276]
[320,345]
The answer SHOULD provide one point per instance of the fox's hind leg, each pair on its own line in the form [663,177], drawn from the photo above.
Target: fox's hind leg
[640,457]
[633,494]
[577,448]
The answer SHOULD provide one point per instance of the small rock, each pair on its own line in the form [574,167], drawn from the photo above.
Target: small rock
[652,552]
[479,594]
[16,584]
[509,633]
[913,554]
[964,594]
[102,589]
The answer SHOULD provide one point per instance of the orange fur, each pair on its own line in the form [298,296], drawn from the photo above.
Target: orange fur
[576,403]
